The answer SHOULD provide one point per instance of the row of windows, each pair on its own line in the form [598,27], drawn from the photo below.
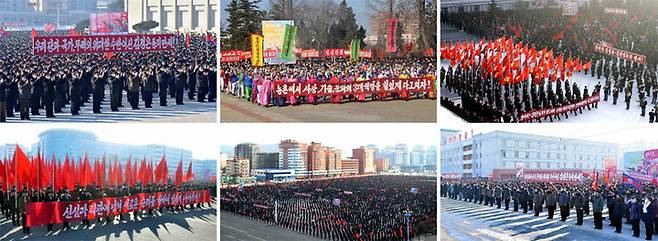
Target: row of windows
[551,165]
[551,155]
[556,146]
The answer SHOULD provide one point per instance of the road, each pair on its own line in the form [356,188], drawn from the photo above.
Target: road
[197,225]
[236,228]
[233,109]
[462,221]
[191,111]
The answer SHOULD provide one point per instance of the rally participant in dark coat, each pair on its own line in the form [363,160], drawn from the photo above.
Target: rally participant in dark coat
[212,84]
[12,96]
[551,202]
[635,216]
[538,200]
[50,197]
[564,202]
[163,77]
[648,209]
[202,83]
[25,91]
[191,80]
[4,87]
[597,208]
[37,92]
[181,80]
[60,82]
[49,96]
[116,86]
[618,213]
[66,197]
[75,93]
[98,89]
[579,202]
[148,87]
[133,90]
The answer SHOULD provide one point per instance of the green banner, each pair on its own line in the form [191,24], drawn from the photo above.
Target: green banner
[354,50]
[288,48]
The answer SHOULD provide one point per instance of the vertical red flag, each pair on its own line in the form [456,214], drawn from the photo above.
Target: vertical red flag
[187,40]
[34,33]
[391,35]
[134,172]
[22,168]
[165,172]
[142,172]
[189,176]
[129,173]
[119,173]
[72,32]
[595,182]
[179,174]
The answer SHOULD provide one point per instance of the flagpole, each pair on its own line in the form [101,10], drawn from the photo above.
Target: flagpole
[276,212]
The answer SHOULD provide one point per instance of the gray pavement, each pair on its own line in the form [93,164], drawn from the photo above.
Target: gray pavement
[191,111]
[452,34]
[233,109]
[234,228]
[197,225]
[462,221]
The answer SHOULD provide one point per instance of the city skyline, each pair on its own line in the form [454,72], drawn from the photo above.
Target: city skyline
[129,134]
[354,137]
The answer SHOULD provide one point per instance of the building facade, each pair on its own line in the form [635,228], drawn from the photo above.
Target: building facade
[266,160]
[238,167]
[334,157]
[293,155]
[417,156]
[317,159]
[350,166]
[248,151]
[482,154]
[381,165]
[175,15]
[366,156]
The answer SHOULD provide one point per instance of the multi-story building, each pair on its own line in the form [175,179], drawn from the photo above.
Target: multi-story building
[401,155]
[480,5]
[175,15]
[317,159]
[248,151]
[238,167]
[381,165]
[76,144]
[366,156]
[494,153]
[430,158]
[266,160]
[334,157]
[293,155]
[417,156]
[350,166]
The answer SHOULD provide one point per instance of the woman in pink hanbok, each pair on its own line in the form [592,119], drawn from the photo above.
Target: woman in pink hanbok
[264,92]
[336,99]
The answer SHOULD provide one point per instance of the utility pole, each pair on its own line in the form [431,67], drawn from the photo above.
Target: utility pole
[407,219]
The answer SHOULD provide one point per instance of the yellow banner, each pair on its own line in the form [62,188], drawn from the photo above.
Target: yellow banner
[256,50]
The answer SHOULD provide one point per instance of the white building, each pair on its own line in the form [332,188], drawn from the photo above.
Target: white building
[483,154]
[175,15]
[417,157]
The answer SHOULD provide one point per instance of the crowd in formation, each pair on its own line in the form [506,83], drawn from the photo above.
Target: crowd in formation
[355,208]
[485,100]
[255,84]
[622,201]
[14,201]
[29,83]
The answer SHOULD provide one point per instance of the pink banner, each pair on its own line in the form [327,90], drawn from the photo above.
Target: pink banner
[364,87]
[538,114]
[606,49]
[554,176]
[106,23]
[651,155]
[50,45]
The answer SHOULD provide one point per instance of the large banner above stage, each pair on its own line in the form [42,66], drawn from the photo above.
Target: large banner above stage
[108,23]
[636,166]
[364,87]
[538,114]
[553,176]
[50,45]
[57,212]
[606,49]
[274,36]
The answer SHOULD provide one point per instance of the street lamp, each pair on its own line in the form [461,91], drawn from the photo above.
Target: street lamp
[407,219]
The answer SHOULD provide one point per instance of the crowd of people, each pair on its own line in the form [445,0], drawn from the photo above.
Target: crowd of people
[31,83]
[622,201]
[353,208]
[14,201]
[255,84]
[572,36]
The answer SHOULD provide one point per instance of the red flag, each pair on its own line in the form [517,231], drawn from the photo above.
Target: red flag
[23,171]
[49,28]
[179,174]
[119,173]
[187,40]
[595,182]
[655,183]
[34,33]
[165,172]
[129,173]
[72,32]
[142,172]
[189,176]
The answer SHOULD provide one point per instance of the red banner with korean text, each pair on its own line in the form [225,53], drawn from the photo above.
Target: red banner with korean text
[38,213]
[50,45]
[609,50]
[553,176]
[538,114]
[391,35]
[287,89]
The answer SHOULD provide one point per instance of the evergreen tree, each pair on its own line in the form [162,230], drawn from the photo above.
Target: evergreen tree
[244,18]
[345,29]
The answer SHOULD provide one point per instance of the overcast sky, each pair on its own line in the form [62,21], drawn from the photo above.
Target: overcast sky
[343,136]
[201,139]
[360,8]
[621,134]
